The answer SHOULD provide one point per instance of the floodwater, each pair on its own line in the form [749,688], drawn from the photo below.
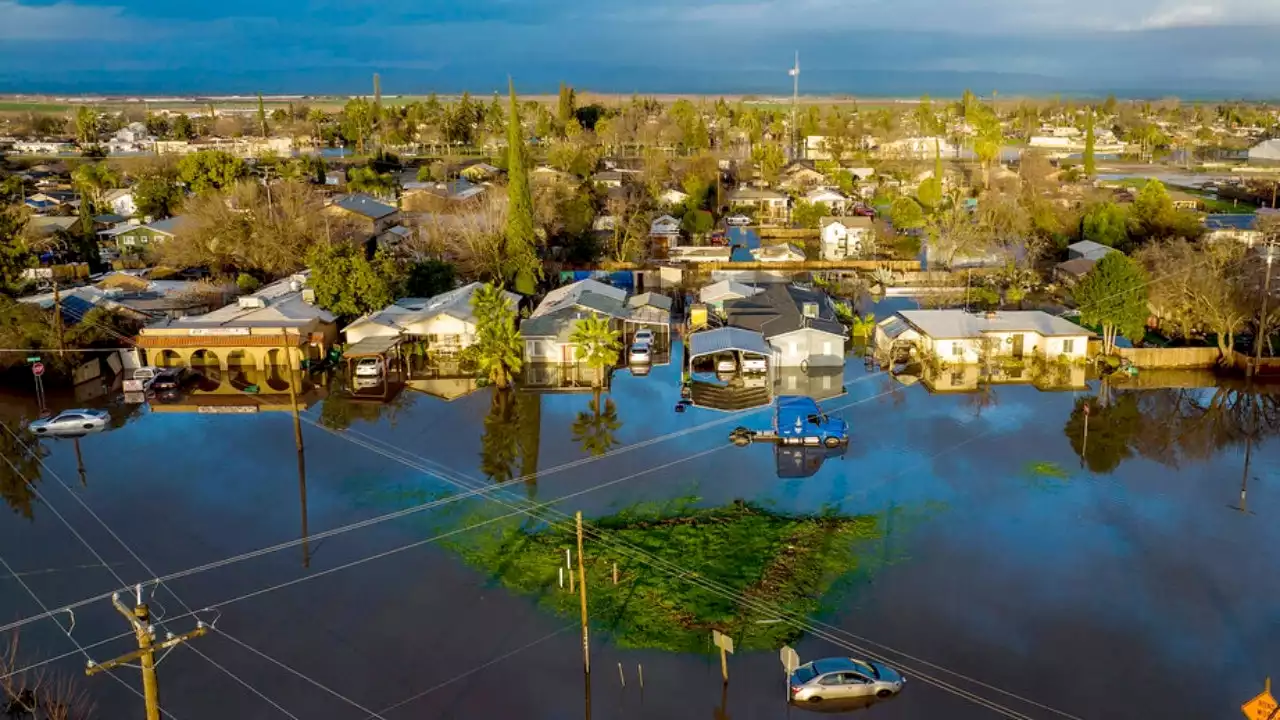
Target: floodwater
[970,539]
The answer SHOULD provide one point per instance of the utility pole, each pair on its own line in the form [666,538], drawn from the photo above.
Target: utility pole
[795,100]
[582,592]
[294,379]
[57,318]
[140,618]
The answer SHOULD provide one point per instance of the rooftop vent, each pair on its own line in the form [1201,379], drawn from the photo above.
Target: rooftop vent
[811,310]
[249,302]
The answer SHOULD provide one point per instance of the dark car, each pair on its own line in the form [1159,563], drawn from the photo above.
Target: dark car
[172,379]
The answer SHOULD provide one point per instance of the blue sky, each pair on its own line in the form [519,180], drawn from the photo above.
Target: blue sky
[1153,47]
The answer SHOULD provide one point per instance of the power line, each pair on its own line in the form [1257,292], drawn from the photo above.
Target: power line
[245,683]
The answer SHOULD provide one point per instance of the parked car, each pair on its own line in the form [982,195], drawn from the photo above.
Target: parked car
[644,336]
[737,220]
[639,354]
[140,378]
[366,382]
[864,211]
[70,422]
[170,379]
[755,364]
[369,367]
[837,678]
[726,363]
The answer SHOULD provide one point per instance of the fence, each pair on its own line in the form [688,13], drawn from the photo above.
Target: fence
[1186,357]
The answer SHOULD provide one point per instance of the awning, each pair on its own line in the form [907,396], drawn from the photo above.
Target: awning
[709,342]
[372,346]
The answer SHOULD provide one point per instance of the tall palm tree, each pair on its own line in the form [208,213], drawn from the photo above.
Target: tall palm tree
[595,428]
[598,344]
[498,348]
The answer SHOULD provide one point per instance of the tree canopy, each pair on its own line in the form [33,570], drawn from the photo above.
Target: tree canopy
[524,268]
[499,349]
[1113,296]
[211,170]
[348,284]
[1107,223]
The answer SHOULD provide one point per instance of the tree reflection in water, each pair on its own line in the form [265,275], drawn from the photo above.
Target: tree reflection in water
[1172,426]
[20,468]
[595,428]
[511,432]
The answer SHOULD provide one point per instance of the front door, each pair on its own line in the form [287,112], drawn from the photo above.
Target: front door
[1017,346]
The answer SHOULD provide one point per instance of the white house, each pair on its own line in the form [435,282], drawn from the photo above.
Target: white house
[446,322]
[664,226]
[960,337]
[121,202]
[916,147]
[844,237]
[672,197]
[799,325]
[785,252]
[833,199]
[1238,227]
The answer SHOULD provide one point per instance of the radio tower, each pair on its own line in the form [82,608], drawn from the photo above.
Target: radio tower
[795,99]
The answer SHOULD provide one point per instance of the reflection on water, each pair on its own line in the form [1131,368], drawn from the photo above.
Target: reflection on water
[842,705]
[595,429]
[509,444]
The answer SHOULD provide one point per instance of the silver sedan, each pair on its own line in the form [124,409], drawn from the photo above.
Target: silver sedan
[71,422]
[842,678]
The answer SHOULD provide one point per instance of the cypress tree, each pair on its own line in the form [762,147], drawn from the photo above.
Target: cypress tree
[519,231]
[1090,165]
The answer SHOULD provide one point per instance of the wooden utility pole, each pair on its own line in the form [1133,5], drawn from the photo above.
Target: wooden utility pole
[294,379]
[582,593]
[57,318]
[140,618]
[1262,319]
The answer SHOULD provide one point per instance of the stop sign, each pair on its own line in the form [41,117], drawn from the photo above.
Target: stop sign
[37,369]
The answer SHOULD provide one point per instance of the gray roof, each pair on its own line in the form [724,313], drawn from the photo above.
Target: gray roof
[709,342]
[951,324]
[755,194]
[362,204]
[558,324]
[1089,249]
[779,310]
[662,302]
[168,226]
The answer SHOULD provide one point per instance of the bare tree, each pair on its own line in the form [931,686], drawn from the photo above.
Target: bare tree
[630,230]
[38,694]
[473,240]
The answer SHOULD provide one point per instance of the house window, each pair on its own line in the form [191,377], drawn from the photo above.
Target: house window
[1069,346]
[957,378]
[957,349]
[826,348]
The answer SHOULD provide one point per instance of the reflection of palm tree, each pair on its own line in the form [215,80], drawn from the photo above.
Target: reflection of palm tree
[21,471]
[594,429]
[499,445]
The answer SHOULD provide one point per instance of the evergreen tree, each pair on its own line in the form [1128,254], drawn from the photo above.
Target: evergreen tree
[566,106]
[522,259]
[262,116]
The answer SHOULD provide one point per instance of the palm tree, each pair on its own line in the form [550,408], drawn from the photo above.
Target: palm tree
[594,429]
[368,180]
[598,344]
[862,326]
[94,180]
[498,348]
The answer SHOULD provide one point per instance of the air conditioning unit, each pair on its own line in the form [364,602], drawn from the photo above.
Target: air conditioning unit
[811,310]
[249,302]
[309,296]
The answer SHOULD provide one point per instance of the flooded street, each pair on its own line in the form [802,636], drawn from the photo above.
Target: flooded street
[976,541]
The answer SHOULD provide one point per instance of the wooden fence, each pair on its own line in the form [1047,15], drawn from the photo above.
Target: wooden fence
[1185,357]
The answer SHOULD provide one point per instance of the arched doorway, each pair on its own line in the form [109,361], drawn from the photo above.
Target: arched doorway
[204,359]
[209,365]
[241,359]
[168,358]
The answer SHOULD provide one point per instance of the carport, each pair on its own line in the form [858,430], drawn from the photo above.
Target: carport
[739,341]
[382,347]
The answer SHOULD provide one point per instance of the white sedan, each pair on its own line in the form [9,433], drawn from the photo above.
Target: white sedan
[71,422]
[738,220]
[639,354]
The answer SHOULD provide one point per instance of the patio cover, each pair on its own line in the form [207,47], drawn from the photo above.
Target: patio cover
[710,342]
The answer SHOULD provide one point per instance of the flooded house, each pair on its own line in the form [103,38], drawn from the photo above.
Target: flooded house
[960,337]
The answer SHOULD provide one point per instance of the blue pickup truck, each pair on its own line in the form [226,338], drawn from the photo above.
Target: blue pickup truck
[797,420]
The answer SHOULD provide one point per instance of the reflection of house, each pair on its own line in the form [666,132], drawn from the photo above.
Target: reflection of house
[716,294]
[280,324]
[222,392]
[785,252]
[446,322]
[843,237]
[769,206]
[971,378]
[699,253]
[443,377]
[960,337]
[799,325]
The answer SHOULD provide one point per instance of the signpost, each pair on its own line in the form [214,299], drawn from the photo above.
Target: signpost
[37,369]
[790,661]
[725,643]
[1263,706]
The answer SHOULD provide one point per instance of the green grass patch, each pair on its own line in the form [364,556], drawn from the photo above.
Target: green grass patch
[12,106]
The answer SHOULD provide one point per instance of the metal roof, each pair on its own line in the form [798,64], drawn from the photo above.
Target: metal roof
[361,204]
[380,345]
[709,342]
[950,324]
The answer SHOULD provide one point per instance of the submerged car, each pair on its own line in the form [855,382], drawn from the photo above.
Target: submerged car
[840,678]
[71,422]
[639,354]
[171,379]
[643,337]
[369,367]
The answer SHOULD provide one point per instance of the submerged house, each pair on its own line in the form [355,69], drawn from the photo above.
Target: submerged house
[445,322]
[799,325]
[960,337]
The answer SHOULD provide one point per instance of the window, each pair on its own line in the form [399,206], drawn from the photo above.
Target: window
[957,378]
[1069,345]
[854,679]
[957,349]
[832,679]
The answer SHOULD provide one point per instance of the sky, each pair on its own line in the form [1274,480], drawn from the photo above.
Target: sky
[1150,48]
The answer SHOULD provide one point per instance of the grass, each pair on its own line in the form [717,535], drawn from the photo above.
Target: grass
[12,106]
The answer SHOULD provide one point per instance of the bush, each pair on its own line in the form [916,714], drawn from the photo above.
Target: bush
[247,283]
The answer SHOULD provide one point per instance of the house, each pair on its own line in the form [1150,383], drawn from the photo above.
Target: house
[1088,250]
[960,337]
[480,172]
[1240,227]
[717,294]
[1185,201]
[548,330]
[278,326]
[545,174]
[1073,271]
[840,238]
[44,147]
[46,226]
[1266,152]
[372,217]
[335,178]
[785,252]
[121,202]
[445,322]
[419,195]
[608,178]
[833,199]
[132,236]
[922,148]
[801,176]
[664,233]
[769,207]
[799,325]
[46,201]
[699,253]
[672,197]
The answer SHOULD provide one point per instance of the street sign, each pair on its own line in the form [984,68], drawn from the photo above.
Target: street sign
[724,642]
[37,369]
[1262,707]
[790,659]
[33,358]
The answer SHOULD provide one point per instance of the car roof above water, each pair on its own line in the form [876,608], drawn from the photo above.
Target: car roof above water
[828,665]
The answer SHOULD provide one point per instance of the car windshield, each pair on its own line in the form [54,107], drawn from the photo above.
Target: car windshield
[804,673]
[867,669]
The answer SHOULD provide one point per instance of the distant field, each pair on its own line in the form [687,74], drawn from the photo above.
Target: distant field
[11,106]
